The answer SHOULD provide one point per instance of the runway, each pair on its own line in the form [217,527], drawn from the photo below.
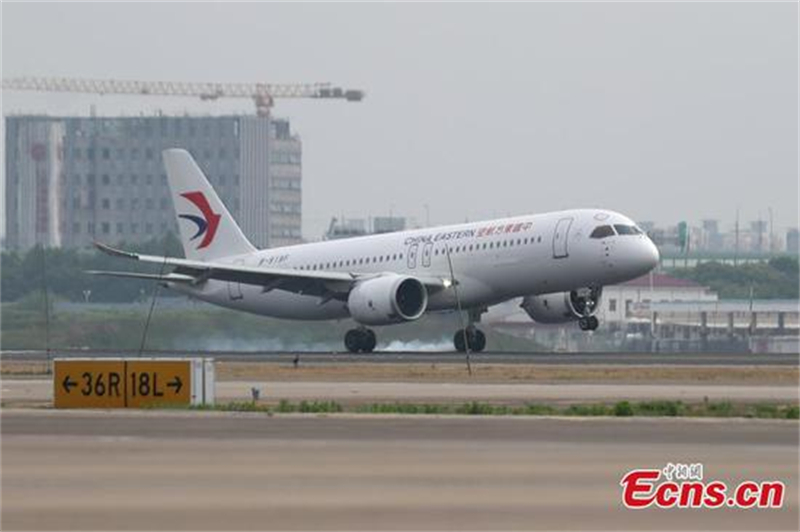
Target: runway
[40,391]
[210,470]
[282,357]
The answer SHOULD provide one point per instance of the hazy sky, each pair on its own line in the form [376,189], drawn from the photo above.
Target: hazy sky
[664,111]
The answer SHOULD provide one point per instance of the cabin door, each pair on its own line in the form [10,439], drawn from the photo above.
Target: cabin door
[561,237]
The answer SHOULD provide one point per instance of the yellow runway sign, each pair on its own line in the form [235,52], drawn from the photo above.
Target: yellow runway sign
[89,384]
[121,383]
[155,382]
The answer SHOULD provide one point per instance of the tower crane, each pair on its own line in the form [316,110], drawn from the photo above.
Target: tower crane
[262,94]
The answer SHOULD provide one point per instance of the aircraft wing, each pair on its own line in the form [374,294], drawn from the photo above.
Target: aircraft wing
[328,285]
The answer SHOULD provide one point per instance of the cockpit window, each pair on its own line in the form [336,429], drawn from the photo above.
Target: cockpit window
[602,231]
[627,229]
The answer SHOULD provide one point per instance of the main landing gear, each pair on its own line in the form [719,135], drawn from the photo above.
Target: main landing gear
[361,340]
[588,323]
[474,337]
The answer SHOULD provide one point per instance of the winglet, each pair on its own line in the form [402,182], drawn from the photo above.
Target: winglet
[108,250]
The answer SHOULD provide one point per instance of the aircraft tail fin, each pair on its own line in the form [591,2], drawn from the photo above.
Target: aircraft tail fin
[207,229]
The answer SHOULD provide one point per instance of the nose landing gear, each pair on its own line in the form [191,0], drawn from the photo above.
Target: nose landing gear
[361,340]
[588,323]
[584,303]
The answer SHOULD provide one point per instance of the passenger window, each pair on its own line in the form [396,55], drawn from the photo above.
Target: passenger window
[602,231]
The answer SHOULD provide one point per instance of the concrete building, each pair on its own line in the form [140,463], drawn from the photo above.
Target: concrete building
[711,239]
[352,227]
[346,228]
[73,180]
[388,224]
[793,241]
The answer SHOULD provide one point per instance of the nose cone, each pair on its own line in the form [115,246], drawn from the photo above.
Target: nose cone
[653,256]
[637,257]
[648,255]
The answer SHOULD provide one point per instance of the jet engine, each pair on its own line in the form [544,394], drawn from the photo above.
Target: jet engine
[387,299]
[562,307]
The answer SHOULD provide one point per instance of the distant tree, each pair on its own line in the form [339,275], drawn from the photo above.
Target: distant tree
[776,279]
[12,282]
[786,264]
[66,277]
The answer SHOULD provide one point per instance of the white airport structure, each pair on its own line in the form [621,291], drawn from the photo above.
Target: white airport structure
[619,301]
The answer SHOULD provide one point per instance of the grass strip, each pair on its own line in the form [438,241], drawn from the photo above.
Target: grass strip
[723,409]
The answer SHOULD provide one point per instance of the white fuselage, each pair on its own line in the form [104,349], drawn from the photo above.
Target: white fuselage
[492,261]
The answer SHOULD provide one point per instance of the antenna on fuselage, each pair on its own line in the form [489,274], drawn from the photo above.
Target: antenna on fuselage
[454,284]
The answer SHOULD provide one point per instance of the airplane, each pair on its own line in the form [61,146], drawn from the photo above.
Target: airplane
[556,262]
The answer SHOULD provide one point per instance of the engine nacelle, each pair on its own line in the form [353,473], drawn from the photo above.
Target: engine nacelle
[388,299]
[562,307]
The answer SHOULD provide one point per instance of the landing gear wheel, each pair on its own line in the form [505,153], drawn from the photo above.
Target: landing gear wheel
[360,340]
[480,341]
[458,341]
[369,341]
[475,338]
[588,323]
[352,340]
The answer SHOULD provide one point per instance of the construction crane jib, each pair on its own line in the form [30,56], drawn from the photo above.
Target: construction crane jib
[262,94]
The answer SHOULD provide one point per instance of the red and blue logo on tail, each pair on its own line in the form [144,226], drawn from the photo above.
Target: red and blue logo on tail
[207,224]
